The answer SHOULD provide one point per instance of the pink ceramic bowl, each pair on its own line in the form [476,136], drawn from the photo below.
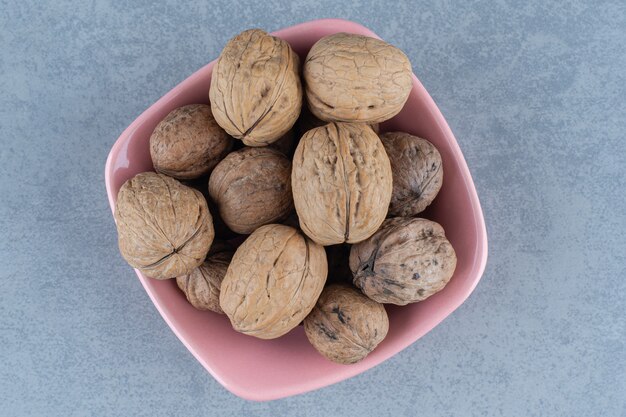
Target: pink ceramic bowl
[268,369]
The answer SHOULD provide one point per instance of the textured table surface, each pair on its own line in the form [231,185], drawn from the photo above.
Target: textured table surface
[535,95]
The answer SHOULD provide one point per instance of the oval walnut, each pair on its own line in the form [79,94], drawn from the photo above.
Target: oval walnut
[354,78]
[406,260]
[256,92]
[342,182]
[273,281]
[252,187]
[417,173]
[345,326]
[188,143]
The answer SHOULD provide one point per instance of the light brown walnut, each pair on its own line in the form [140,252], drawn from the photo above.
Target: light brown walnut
[355,78]
[407,260]
[342,182]
[273,281]
[252,187]
[188,143]
[417,173]
[164,228]
[202,285]
[256,92]
[345,326]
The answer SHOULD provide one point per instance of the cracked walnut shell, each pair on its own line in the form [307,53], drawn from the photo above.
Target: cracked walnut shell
[342,183]
[252,187]
[188,143]
[417,173]
[406,260]
[355,78]
[256,92]
[273,281]
[164,227]
[345,326]
[202,285]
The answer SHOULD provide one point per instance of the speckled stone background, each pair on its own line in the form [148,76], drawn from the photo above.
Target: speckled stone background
[535,93]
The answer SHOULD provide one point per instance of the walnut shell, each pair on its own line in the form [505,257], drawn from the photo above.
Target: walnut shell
[202,285]
[255,92]
[417,173]
[252,187]
[345,326]
[273,281]
[341,182]
[407,260]
[165,228]
[354,78]
[188,143]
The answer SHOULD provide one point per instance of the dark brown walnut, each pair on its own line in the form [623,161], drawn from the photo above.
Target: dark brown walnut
[165,228]
[202,285]
[188,143]
[341,182]
[345,326]
[255,92]
[252,187]
[354,78]
[417,173]
[273,281]
[338,264]
[308,121]
[407,260]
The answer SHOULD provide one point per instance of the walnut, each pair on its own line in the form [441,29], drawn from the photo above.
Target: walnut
[188,143]
[165,228]
[355,78]
[406,260]
[417,173]
[341,183]
[255,92]
[252,187]
[202,285]
[345,326]
[273,281]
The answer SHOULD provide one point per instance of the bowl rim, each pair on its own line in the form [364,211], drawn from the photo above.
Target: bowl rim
[476,269]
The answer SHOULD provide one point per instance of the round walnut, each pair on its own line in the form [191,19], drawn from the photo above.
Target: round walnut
[417,173]
[341,183]
[354,78]
[345,326]
[255,92]
[202,285]
[273,281]
[165,228]
[188,143]
[407,260]
[252,187]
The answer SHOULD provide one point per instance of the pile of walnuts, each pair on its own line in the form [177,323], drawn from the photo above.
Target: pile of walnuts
[272,236]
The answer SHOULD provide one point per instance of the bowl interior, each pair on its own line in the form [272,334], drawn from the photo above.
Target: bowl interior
[268,369]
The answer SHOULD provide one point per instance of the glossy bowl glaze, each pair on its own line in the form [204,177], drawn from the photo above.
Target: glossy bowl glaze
[268,369]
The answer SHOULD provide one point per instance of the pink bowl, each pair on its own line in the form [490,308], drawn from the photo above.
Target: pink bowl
[268,369]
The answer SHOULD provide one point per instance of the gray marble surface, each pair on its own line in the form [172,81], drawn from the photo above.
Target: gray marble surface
[535,94]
